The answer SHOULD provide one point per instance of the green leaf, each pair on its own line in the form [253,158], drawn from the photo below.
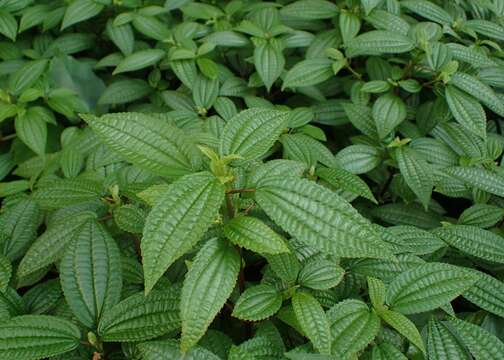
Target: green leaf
[413,240]
[377,292]
[258,303]
[207,286]
[5,273]
[428,287]
[481,343]
[474,241]
[49,247]
[205,92]
[252,132]
[345,180]
[8,25]
[26,76]
[141,317]
[481,215]
[417,173]
[122,36]
[125,91]
[280,167]
[80,10]
[269,60]
[313,321]
[178,221]
[379,42]
[308,73]
[353,327]
[259,347]
[252,234]
[442,343]
[335,227]
[19,225]
[286,266]
[170,350]
[359,159]
[467,111]
[162,148]
[487,293]
[369,5]
[130,218]
[479,90]
[33,337]
[386,351]
[428,10]
[320,274]
[479,178]
[90,275]
[59,193]
[388,112]
[403,326]
[32,131]
[310,9]
[139,60]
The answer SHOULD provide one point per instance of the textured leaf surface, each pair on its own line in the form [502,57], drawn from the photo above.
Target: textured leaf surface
[403,326]
[347,181]
[90,275]
[307,73]
[428,287]
[353,327]
[474,241]
[442,343]
[5,272]
[481,343]
[467,111]
[320,274]
[487,293]
[378,42]
[207,286]
[417,173]
[141,317]
[252,132]
[313,321]
[177,222]
[479,178]
[257,303]
[170,350]
[252,234]
[36,337]
[147,142]
[319,217]
[49,247]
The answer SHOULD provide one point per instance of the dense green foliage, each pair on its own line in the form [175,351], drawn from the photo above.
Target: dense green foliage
[252,180]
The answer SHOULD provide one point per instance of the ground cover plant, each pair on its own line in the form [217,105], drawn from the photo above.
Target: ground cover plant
[251,180]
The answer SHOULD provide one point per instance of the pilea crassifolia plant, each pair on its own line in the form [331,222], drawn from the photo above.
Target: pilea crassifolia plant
[251,180]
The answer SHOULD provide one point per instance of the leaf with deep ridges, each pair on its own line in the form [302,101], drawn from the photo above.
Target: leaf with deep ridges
[90,274]
[148,143]
[207,286]
[178,221]
[474,241]
[258,303]
[313,321]
[318,217]
[49,247]
[252,234]
[428,287]
[442,343]
[482,344]
[403,326]
[251,133]
[32,337]
[141,317]
[353,327]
